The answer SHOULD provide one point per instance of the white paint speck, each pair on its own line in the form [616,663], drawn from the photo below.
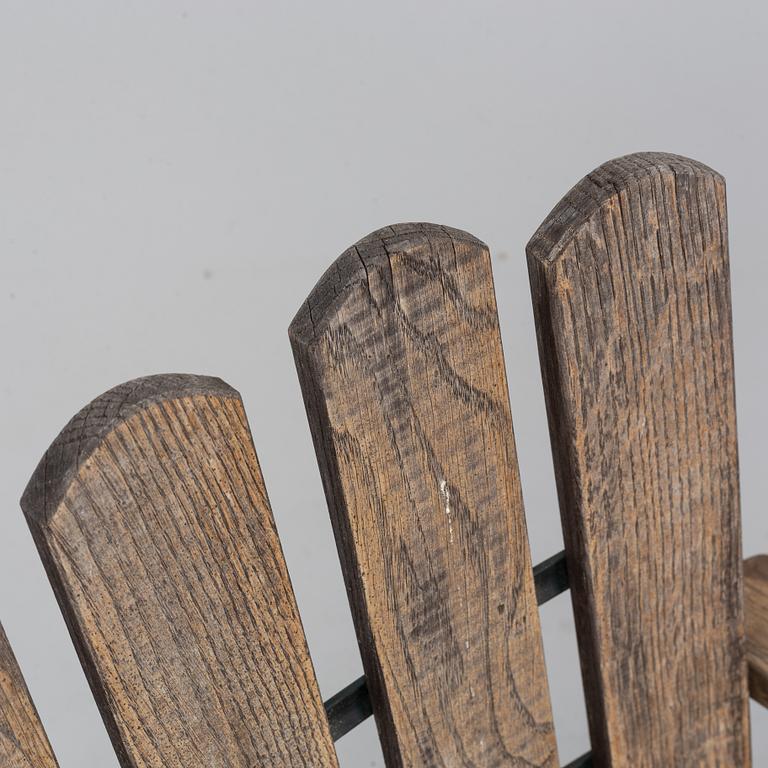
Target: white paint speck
[446,494]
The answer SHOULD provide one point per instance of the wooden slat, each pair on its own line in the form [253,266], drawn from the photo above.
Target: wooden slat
[631,295]
[756,621]
[400,361]
[23,743]
[150,514]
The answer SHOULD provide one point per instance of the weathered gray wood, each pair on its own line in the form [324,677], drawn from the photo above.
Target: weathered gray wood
[150,514]
[756,616]
[399,356]
[631,294]
[23,743]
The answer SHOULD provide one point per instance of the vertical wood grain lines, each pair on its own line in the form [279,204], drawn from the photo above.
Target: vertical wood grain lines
[151,516]
[400,360]
[23,743]
[631,294]
[756,619]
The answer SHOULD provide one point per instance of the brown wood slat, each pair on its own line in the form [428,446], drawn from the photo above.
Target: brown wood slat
[400,360]
[23,743]
[756,620]
[631,294]
[150,514]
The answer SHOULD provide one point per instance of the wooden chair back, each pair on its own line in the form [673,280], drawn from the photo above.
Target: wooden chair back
[152,518]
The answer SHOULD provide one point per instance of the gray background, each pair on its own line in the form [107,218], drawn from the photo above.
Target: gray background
[175,176]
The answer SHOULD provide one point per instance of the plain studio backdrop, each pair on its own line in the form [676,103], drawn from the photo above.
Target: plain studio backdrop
[175,176]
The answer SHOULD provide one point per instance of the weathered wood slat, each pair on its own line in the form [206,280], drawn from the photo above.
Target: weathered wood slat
[350,706]
[631,295]
[23,743]
[399,356]
[756,620]
[150,514]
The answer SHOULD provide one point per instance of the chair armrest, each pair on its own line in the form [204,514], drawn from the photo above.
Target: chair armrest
[756,620]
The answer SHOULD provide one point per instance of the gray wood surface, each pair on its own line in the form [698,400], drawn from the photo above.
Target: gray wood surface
[756,619]
[631,295]
[150,514]
[23,743]
[400,360]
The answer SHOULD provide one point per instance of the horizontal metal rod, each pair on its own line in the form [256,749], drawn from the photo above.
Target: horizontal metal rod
[348,708]
[585,761]
[550,577]
[351,705]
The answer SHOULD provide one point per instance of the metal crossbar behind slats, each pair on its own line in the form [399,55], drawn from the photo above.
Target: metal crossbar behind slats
[352,704]
[152,517]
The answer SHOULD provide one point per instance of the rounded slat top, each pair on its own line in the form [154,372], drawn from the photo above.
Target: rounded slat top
[579,205]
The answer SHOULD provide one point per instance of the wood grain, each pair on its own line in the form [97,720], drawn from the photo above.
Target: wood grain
[23,743]
[631,295]
[150,514]
[756,622]
[400,360]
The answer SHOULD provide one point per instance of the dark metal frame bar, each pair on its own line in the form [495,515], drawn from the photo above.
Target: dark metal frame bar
[352,705]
